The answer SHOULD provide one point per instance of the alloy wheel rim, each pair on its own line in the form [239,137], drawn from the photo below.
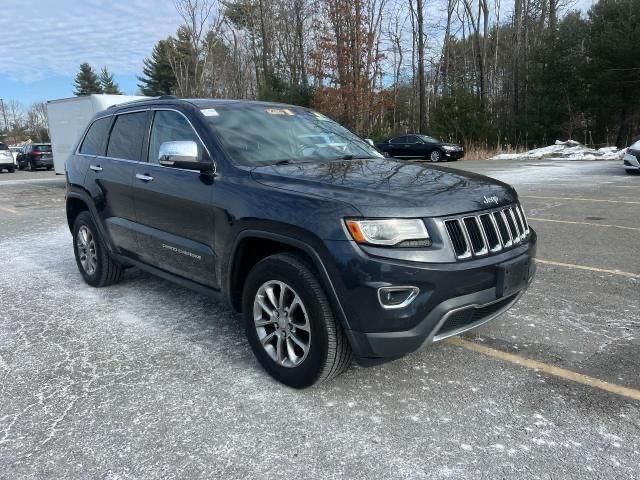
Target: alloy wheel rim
[282,323]
[435,156]
[87,250]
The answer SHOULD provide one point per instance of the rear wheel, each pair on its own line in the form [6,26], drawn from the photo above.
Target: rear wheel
[97,267]
[11,169]
[290,324]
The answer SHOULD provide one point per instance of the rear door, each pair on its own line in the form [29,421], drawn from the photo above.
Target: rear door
[173,206]
[110,173]
[397,146]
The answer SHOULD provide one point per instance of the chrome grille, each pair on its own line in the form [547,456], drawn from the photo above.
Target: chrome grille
[487,232]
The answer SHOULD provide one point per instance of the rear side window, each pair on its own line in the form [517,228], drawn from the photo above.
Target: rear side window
[127,136]
[169,126]
[96,138]
[399,140]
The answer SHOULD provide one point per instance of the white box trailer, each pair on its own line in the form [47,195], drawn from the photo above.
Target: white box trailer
[68,118]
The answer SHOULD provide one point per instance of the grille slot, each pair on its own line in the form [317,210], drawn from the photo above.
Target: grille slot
[475,235]
[491,232]
[457,237]
[488,232]
[501,222]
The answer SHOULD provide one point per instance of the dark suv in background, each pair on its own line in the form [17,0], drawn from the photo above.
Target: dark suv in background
[35,155]
[327,248]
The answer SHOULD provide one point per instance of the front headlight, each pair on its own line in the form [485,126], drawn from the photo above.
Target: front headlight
[400,232]
[450,148]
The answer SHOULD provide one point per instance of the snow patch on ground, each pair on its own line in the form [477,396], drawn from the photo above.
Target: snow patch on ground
[569,150]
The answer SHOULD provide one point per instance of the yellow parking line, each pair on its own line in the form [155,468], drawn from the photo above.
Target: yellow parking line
[10,210]
[548,369]
[582,199]
[591,269]
[583,223]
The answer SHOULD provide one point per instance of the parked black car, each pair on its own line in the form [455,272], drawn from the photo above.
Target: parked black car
[422,147]
[328,249]
[35,155]
[6,159]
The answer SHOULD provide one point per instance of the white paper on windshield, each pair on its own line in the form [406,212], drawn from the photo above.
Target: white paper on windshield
[210,112]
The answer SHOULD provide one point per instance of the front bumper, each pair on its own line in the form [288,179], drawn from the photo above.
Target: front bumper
[631,162]
[453,298]
[454,155]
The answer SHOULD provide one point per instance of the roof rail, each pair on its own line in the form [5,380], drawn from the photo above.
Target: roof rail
[161,97]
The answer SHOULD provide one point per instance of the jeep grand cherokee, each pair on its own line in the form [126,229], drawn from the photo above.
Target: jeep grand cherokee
[329,250]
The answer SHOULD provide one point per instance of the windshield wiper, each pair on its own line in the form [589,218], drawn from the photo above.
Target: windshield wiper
[352,157]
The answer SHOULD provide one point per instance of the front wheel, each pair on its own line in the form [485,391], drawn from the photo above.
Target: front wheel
[435,156]
[290,324]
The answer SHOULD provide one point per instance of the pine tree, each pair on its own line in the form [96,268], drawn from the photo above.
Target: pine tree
[109,86]
[86,81]
[158,77]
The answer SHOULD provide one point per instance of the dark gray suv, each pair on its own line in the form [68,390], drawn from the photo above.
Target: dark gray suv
[328,249]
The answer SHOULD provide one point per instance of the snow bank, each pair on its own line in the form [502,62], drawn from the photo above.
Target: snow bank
[569,150]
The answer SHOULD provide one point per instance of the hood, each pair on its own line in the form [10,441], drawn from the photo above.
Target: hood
[383,187]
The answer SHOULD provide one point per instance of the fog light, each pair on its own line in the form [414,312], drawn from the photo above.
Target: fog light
[397,297]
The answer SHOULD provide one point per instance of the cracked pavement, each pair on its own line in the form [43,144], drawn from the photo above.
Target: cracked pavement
[146,379]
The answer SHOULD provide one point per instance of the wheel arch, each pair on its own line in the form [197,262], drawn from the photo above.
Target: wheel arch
[243,258]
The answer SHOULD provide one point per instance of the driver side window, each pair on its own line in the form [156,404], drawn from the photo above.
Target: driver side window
[170,126]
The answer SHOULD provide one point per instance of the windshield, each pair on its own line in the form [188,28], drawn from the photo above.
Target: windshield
[3,147]
[42,148]
[257,135]
[429,139]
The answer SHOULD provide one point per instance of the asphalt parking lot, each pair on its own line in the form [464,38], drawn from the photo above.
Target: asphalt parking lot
[148,380]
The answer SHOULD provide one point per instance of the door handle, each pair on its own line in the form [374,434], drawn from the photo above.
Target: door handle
[143,177]
[95,168]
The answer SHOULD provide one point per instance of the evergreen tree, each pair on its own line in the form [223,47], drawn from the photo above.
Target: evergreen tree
[158,77]
[109,86]
[86,81]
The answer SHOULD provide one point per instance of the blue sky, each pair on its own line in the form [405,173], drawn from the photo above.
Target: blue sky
[43,42]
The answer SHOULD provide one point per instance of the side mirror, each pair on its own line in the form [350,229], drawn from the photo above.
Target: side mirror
[370,142]
[181,154]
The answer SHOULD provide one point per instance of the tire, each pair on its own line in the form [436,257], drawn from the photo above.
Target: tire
[20,166]
[11,170]
[436,155]
[49,168]
[328,352]
[105,270]
[633,172]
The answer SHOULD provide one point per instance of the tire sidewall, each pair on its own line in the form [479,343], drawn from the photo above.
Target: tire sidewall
[319,313]
[84,219]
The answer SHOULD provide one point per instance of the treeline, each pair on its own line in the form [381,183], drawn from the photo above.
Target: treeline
[20,123]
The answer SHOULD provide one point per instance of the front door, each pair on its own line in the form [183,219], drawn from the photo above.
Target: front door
[173,207]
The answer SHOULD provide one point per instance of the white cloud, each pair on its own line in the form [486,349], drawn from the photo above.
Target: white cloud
[43,37]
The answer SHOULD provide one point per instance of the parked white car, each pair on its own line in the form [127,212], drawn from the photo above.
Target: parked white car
[7,161]
[632,158]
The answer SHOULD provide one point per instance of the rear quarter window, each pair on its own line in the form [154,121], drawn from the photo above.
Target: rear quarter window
[127,136]
[95,141]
